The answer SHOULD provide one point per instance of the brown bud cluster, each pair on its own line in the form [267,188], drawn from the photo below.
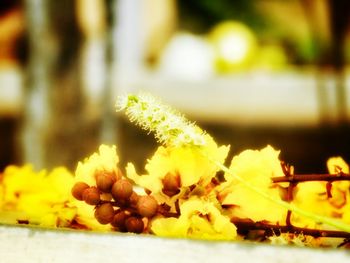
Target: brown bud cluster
[171,184]
[124,209]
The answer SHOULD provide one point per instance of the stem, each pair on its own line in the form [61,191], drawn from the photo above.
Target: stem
[317,218]
[244,225]
[296,178]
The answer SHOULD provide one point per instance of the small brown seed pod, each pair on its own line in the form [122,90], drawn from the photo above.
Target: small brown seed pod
[171,184]
[91,195]
[134,224]
[147,206]
[119,220]
[133,200]
[105,181]
[171,181]
[104,213]
[122,190]
[78,189]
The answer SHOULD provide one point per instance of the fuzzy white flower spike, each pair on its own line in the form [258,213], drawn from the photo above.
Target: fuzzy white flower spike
[170,127]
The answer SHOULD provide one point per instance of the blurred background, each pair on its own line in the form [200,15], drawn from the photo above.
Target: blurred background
[250,72]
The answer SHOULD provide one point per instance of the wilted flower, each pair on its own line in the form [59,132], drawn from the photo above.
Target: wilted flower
[299,240]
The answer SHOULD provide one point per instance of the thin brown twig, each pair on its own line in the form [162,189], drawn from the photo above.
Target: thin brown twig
[287,172]
[246,225]
[297,178]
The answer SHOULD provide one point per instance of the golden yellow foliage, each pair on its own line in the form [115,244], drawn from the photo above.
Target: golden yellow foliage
[39,198]
[187,162]
[312,196]
[256,167]
[106,159]
[199,219]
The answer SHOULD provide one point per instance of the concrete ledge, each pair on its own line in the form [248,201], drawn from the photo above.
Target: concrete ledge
[25,244]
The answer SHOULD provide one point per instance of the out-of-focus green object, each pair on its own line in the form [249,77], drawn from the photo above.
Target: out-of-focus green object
[271,57]
[235,46]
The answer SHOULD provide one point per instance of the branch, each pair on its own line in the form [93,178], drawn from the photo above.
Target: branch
[246,225]
[296,178]
[289,206]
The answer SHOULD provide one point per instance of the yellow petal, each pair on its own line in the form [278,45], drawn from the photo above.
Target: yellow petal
[334,163]
[256,167]
[105,160]
[199,219]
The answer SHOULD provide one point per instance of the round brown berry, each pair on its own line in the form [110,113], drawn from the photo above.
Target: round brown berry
[147,206]
[78,189]
[119,220]
[105,181]
[134,224]
[91,195]
[133,200]
[104,213]
[171,184]
[122,190]
[171,181]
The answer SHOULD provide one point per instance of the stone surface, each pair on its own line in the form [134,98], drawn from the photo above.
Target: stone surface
[23,244]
